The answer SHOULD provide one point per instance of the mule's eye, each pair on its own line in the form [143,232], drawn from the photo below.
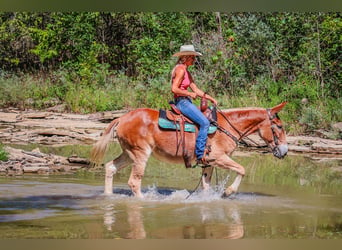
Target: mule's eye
[280,126]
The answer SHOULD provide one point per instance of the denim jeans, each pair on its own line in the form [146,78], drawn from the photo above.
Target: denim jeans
[194,114]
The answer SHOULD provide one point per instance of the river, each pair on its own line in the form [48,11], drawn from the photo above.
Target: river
[293,198]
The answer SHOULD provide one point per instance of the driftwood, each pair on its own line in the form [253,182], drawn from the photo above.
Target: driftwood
[25,162]
[78,160]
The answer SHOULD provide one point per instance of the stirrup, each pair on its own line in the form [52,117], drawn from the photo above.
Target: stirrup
[203,163]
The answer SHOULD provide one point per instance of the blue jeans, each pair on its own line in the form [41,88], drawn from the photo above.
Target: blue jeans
[194,114]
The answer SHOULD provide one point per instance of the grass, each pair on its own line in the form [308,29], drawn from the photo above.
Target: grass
[115,92]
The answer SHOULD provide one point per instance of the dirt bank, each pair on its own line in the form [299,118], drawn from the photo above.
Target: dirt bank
[57,129]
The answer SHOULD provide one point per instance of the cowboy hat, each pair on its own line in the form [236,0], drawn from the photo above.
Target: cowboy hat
[187,50]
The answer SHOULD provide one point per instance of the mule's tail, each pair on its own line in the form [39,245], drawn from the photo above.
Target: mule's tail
[100,147]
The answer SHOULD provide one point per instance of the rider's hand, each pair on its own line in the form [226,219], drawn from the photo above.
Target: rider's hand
[214,101]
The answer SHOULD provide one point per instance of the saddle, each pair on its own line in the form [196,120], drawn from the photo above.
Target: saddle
[173,119]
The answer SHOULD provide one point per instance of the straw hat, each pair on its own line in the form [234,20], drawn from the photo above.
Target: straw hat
[187,50]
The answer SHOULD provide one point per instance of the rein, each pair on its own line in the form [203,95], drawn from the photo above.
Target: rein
[241,135]
[225,131]
[234,138]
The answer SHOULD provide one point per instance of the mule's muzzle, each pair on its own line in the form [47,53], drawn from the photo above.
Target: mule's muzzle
[280,151]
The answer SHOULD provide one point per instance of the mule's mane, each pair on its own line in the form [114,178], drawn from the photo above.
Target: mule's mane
[243,121]
[233,110]
[243,111]
[244,118]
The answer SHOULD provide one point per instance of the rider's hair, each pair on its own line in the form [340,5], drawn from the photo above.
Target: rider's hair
[182,59]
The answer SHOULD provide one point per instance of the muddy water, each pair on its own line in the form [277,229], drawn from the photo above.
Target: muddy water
[279,199]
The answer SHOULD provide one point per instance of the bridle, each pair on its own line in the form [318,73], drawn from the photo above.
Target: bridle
[273,125]
[241,135]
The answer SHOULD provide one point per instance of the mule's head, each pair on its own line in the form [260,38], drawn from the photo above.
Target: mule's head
[273,133]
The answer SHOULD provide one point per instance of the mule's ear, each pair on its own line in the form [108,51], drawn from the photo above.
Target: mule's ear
[277,108]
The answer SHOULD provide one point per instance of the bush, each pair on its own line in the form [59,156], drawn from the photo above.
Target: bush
[311,118]
[3,153]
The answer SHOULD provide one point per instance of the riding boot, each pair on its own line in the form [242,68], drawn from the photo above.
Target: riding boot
[203,161]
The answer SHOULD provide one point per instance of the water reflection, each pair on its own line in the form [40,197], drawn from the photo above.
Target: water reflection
[135,221]
[109,216]
[233,229]
[293,198]
[174,219]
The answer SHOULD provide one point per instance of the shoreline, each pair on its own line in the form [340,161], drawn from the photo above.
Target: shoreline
[59,129]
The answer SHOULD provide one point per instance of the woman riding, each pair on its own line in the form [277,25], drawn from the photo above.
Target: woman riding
[181,82]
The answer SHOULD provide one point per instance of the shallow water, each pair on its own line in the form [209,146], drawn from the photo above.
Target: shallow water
[292,198]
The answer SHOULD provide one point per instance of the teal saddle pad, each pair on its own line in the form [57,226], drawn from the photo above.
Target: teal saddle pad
[165,123]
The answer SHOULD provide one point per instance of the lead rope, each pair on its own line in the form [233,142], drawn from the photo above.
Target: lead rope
[191,193]
[227,133]
[236,140]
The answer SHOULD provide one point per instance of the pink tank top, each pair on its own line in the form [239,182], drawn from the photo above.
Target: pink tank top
[186,80]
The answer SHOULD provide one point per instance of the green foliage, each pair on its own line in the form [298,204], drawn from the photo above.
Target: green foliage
[3,153]
[311,118]
[95,61]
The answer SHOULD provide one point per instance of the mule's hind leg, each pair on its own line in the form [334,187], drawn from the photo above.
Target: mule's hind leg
[137,172]
[112,167]
[135,179]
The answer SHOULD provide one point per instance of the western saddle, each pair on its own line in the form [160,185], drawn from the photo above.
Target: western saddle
[175,115]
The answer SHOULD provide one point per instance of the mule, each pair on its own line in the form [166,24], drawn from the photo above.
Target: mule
[140,137]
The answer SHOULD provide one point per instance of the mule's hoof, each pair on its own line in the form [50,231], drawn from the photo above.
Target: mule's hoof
[225,196]
[228,196]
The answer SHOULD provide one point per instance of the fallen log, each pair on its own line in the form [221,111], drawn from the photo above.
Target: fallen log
[78,160]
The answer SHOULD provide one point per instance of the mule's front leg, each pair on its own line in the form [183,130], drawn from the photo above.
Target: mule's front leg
[234,187]
[206,177]
[226,162]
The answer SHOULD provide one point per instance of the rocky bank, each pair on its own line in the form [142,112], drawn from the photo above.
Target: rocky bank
[58,129]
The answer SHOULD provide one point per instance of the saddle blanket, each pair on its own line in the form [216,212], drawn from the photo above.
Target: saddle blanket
[165,123]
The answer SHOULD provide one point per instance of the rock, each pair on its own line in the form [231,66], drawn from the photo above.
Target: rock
[36,168]
[21,162]
[13,168]
[58,108]
[305,101]
[337,126]
[54,132]
[39,115]
[106,116]
[322,147]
